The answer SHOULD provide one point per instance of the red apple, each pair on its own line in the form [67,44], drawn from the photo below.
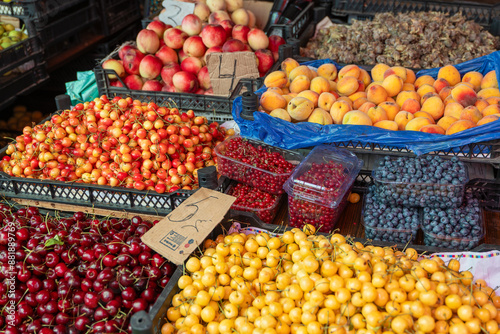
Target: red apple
[192,65]
[191,25]
[211,50]
[185,82]
[233,45]
[168,71]
[209,91]
[274,42]
[124,49]
[265,60]
[131,60]
[194,47]
[202,11]
[148,41]
[257,39]
[168,88]
[228,27]
[240,32]
[174,38]
[167,55]
[150,67]
[153,85]
[204,78]
[116,83]
[116,65]
[158,27]
[218,16]
[182,55]
[213,35]
[133,82]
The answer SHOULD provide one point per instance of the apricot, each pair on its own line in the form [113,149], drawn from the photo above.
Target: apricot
[320,116]
[288,65]
[481,104]
[428,95]
[298,71]
[489,80]
[288,97]
[474,78]
[300,83]
[356,117]
[364,77]
[448,100]
[276,79]
[402,118]
[417,123]
[349,71]
[460,125]
[404,95]
[377,114]
[333,86]
[353,97]
[493,100]
[411,105]
[320,85]
[271,100]
[440,84]
[424,114]
[276,90]
[361,87]
[393,84]
[346,99]
[326,100]
[376,94]
[366,106]
[391,108]
[300,108]
[464,95]
[453,109]
[311,96]
[424,89]
[468,84]
[378,72]
[338,111]
[424,80]
[488,119]
[388,125]
[490,110]
[471,113]
[433,128]
[408,86]
[347,85]
[285,90]
[445,92]
[281,113]
[434,106]
[446,121]
[396,70]
[328,71]
[356,104]
[450,74]
[410,77]
[488,92]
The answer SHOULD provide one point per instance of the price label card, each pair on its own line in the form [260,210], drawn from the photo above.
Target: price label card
[175,11]
[227,68]
[177,235]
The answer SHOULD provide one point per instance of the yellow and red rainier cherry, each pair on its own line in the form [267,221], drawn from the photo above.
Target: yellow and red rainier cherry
[301,282]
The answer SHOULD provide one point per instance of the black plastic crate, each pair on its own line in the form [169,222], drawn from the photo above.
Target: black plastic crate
[39,11]
[295,28]
[118,14]
[487,15]
[152,7]
[18,54]
[114,41]
[14,85]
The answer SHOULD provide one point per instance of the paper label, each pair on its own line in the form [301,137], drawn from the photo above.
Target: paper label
[175,11]
[177,235]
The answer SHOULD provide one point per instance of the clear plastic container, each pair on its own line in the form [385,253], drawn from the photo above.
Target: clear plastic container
[318,188]
[455,228]
[266,214]
[254,176]
[401,231]
[397,184]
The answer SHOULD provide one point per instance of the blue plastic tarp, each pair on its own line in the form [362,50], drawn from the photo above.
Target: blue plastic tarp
[278,132]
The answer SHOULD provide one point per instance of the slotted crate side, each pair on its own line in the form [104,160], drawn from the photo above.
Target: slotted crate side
[295,28]
[17,54]
[127,34]
[118,15]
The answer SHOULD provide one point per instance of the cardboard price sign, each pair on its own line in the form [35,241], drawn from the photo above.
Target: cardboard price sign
[175,11]
[177,235]
[227,68]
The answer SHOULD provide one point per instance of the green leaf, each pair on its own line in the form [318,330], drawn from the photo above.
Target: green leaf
[54,241]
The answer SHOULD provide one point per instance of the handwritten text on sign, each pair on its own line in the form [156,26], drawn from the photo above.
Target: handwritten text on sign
[175,11]
[177,235]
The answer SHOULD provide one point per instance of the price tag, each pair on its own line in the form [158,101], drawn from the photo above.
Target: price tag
[175,11]
[177,235]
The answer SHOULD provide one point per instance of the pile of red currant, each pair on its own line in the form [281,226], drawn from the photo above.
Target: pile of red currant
[251,199]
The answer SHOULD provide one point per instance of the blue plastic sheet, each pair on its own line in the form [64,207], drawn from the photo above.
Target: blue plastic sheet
[278,132]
